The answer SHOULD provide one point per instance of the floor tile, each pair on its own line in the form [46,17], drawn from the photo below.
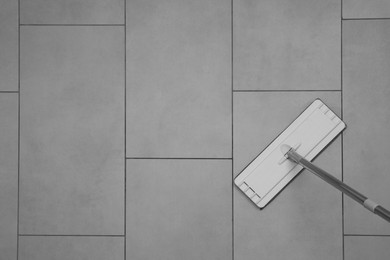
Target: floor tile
[366,9]
[8,45]
[72,11]
[8,175]
[286,44]
[64,248]
[308,211]
[363,248]
[179,78]
[72,130]
[366,65]
[179,209]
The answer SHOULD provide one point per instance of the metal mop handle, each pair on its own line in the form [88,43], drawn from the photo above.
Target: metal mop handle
[363,200]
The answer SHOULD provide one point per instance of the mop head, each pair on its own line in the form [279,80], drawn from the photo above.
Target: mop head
[270,171]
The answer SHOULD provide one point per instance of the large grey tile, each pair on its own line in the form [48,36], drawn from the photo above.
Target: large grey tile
[64,248]
[179,209]
[178,78]
[8,45]
[308,211]
[363,248]
[286,44]
[366,110]
[72,130]
[8,175]
[72,11]
[366,9]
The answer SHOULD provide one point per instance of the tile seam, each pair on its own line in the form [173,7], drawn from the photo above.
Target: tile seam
[67,235]
[175,158]
[342,134]
[95,24]
[18,191]
[286,90]
[365,235]
[125,131]
[366,19]
[232,115]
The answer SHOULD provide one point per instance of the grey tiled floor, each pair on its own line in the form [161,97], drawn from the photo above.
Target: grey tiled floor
[97,248]
[308,212]
[9,45]
[179,79]
[123,124]
[193,204]
[286,45]
[71,133]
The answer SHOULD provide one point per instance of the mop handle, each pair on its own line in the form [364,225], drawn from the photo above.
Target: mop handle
[357,196]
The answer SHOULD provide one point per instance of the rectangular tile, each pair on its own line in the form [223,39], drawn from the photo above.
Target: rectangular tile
[179,209]
[285,45]
[8,45]
[72,130]
[363,248]
[179,78]
[63,248]
[8,175]
[366,65]
[72,11]
[308,211]
[366,9]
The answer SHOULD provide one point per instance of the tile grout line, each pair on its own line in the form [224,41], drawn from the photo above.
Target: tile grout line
[96,24]
[18,191]
[232,129]
[64,235]
[175,158]
[365,19]
[286,90]
[342,134]
[125,130]
[365,235]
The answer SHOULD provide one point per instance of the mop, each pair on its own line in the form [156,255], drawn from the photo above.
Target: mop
[291,152]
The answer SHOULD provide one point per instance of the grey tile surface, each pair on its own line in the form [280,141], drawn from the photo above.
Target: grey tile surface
[366,111]
[72,11]
[8,175]
[363,248]
[178,78]
[286,44]
[366,9]
[179,209]
[64,248]
[305,220]
[72,130]
[8,45]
